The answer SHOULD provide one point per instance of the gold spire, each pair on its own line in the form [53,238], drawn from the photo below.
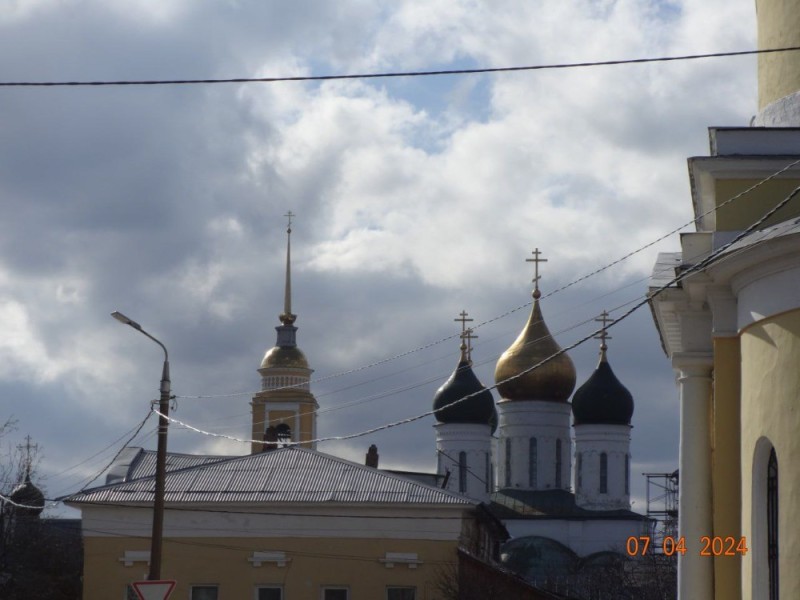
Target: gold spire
[552,381]
[465,348]
[287,318]
[606,320]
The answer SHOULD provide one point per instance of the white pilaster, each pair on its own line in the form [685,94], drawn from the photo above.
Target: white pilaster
[695,572]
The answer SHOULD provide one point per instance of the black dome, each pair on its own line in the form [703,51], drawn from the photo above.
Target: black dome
[602,400]
[478,409]
[28,495]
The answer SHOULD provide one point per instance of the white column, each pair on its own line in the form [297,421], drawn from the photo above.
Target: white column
[695,572]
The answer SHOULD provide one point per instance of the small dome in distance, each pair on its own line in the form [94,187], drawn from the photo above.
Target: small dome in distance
[602,400]
[478,409]
[28,495]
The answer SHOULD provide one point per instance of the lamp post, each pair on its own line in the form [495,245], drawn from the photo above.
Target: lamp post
[161,455]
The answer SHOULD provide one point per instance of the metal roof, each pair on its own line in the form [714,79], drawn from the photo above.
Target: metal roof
[283,475]
[135,463]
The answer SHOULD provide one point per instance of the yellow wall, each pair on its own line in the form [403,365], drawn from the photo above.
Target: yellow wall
[740,214]
[778,27]
[771,408]
[726,478]
[223,561]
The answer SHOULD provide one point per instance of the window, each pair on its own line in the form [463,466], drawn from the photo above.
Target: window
[335,593]
[772,524]
[533,463]
[462,472]
[401,593]
[508,462]
[579,468]
[603,473]
[205,592]
[269,593]
[627,474]
[558,464]
[488,475]
[284,434]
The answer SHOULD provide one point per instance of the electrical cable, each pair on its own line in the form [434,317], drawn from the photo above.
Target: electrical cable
[125,445]
[522,306]
[390,74]
[705,263]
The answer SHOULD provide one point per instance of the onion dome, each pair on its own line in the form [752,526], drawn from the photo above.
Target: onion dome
[478,409]
[552,381]
[28,495]
[602,400]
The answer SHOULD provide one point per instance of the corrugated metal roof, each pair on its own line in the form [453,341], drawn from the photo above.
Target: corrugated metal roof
[135,463]
[283,475]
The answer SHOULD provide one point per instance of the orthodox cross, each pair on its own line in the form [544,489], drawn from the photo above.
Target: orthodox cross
[469,336]
[462,317]
[29,450]
[536,260]
[289,215]
[606,320]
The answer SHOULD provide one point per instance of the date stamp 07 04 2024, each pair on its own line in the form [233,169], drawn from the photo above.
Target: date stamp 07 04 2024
[711,546]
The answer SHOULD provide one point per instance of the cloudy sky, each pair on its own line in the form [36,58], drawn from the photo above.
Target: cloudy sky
[415,198]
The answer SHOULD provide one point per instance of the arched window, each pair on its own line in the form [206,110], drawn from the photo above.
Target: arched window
[772,524]
[627,474]
[462,472]
[533,463]
[603,473]
[558,464]
[284,434]
[508,462]
[488,473]
[579,468]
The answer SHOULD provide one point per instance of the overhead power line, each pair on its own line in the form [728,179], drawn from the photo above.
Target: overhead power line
[389,74]
[712,258]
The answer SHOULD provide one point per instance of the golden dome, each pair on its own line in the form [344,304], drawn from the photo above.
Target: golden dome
[553,381]
[284,356]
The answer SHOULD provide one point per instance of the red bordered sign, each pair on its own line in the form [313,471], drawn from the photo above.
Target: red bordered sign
[153,590]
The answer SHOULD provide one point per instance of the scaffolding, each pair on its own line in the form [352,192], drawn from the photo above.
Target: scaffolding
[662,507]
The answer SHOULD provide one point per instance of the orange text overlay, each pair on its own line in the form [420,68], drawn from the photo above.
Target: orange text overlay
[709,546]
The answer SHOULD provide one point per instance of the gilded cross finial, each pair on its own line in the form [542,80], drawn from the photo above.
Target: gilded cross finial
[606,320]
[536,260]
[462,317]
[289,216]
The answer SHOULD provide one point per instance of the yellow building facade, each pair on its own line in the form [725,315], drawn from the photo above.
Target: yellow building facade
[727,308]
[288,523]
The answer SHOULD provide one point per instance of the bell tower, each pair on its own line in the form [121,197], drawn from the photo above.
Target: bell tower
[285,409]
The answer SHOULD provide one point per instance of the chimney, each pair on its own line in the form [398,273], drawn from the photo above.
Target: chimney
[270,439]
[372,457]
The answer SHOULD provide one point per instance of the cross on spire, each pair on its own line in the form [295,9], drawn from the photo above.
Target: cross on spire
[287,318]
[606,320]
[462,317]
[28,460]
[536,260]
[469,336]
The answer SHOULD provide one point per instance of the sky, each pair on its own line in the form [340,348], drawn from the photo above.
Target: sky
[415,199]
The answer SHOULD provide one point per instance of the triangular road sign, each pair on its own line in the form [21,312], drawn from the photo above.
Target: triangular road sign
[153,590]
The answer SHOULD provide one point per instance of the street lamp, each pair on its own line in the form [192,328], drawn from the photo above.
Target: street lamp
[161,455]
